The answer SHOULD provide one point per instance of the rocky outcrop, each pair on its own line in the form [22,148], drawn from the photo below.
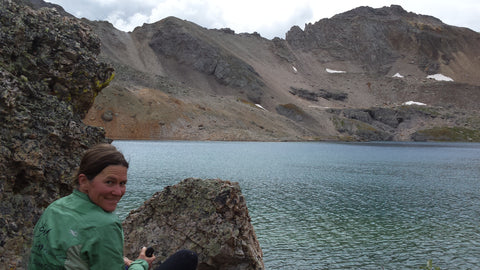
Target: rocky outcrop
[187,44]
[314,95]
[291,111]
[385,124]
[376,38]
[49,77]
[209,217]
[44,46]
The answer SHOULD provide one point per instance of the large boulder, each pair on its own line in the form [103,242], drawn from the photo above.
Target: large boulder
[49,77]
[209,217]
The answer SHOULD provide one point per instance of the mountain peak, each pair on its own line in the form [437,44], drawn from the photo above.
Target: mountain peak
[376,38]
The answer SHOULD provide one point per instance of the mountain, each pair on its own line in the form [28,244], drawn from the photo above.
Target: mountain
[342,78]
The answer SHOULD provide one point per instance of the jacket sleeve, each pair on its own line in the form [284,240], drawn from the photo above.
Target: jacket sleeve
[139,264]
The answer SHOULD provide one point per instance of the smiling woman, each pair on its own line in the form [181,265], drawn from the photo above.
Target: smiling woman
[80,231]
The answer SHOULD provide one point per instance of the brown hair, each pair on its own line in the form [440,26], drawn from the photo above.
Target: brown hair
[98,158]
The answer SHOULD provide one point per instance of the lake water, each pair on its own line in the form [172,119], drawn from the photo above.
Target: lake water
[317,205]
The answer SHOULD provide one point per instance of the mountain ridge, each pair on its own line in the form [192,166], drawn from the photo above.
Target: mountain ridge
[219,85]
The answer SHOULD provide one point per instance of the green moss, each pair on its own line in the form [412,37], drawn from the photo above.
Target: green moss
[338,123]
[100,85]
[473,121]
[355,130]
[246,102]
[293,107]
[361,126]
[424,109]
[343,124]
[456,134]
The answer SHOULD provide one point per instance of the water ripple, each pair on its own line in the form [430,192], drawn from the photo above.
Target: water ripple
[335,206]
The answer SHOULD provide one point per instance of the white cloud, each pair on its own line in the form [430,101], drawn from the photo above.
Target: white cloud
[127,24]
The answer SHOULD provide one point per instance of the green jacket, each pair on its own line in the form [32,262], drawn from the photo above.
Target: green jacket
[75,233]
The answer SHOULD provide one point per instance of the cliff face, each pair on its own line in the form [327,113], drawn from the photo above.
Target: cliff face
[377,38]
[177,80]
[49,78]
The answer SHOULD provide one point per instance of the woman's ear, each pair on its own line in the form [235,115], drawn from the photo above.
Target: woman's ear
[83,183]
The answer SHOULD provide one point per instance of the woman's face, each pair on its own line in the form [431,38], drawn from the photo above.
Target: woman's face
[107,188]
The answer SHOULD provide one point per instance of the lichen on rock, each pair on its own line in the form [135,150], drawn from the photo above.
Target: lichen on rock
[61,52]
[48,75]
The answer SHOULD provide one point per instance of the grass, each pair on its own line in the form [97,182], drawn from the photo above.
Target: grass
[451,134]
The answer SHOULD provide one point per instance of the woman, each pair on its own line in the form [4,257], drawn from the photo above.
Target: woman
[80,231]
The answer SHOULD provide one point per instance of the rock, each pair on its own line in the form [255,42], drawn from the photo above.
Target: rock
[291,111]
[303,93]
[388,116]
[382,124]
[340,96]
[358,114]
[59,51]
[107,116]
[49,76]
[209,217]
[314,95]
[227,31]
[360,131]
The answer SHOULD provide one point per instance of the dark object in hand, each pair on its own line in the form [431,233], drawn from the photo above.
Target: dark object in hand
[149,252]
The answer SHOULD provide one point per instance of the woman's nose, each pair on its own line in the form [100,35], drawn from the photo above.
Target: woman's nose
[118,190]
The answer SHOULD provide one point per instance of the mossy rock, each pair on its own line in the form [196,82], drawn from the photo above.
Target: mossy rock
[447,134]
[359,131]
[291,111]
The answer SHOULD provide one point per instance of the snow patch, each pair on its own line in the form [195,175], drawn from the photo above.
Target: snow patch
[397,75]
[440,77]
[414,103]
[260,106]
[334,71]
[318,107]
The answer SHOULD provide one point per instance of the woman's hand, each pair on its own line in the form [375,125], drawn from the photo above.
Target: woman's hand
[144,257]
[127,261]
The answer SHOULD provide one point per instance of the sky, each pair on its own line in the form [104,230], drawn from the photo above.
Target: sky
[269,18]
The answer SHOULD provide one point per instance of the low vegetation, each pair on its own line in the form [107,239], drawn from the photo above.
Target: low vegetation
[450,134]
